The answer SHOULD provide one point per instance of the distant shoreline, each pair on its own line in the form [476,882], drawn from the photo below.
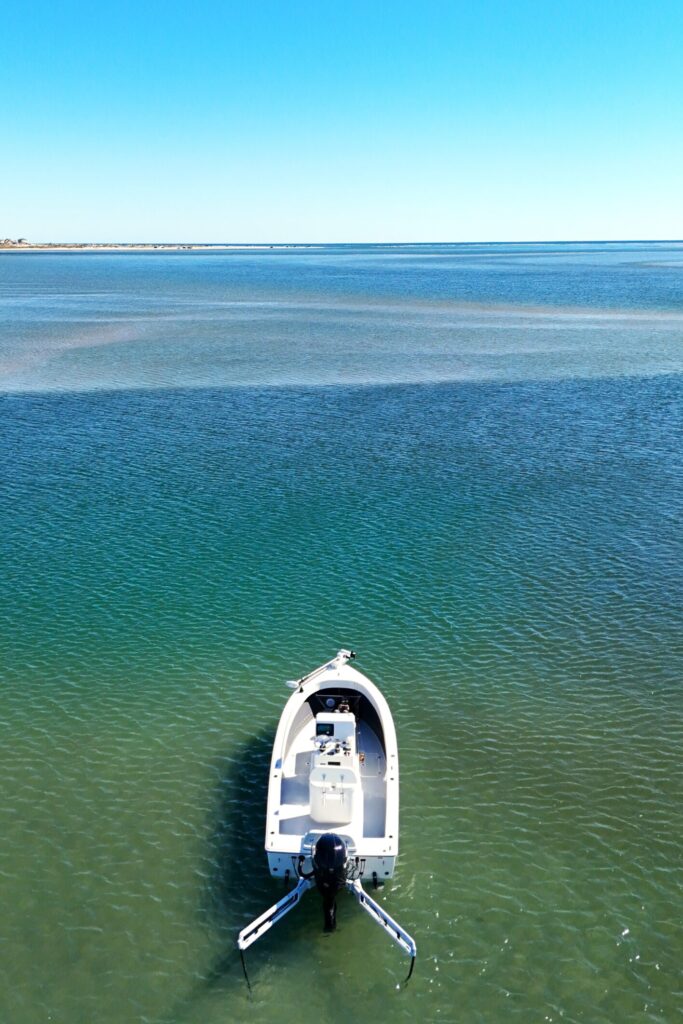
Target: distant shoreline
[12,246]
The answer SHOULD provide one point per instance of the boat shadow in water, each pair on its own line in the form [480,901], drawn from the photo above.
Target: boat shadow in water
[237,870]
[237,882]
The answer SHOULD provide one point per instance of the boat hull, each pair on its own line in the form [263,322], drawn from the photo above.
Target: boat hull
[364,811]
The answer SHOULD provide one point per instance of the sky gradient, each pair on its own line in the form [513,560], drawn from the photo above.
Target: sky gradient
[341,122]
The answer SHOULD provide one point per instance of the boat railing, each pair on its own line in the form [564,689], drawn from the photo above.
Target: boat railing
[341,658]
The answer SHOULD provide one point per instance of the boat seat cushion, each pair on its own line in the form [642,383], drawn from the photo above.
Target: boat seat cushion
[333,795]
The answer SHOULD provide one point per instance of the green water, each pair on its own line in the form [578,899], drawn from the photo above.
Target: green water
[505,556]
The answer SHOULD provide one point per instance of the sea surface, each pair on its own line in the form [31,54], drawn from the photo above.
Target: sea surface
[464,461]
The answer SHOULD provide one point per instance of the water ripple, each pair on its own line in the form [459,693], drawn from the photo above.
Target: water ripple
[507,560]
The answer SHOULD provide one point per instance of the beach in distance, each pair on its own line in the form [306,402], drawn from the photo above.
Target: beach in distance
[23,245]
[222,464]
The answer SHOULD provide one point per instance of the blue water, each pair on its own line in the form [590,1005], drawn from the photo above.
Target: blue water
[341,315]
[216,469]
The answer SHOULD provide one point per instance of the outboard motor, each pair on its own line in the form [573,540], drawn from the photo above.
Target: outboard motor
[330,859]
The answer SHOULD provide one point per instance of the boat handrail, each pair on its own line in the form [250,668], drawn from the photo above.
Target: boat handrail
[341,658]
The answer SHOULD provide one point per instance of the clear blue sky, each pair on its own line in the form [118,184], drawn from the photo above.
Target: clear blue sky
[341,121]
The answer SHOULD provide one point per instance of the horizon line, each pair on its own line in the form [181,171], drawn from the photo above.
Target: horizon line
[21,243]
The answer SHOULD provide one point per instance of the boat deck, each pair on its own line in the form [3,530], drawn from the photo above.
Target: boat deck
[295,810]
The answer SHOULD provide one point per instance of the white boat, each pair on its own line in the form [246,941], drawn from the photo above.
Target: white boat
[332,816]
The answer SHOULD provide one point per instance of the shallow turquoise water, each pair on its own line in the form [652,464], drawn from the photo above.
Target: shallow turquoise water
[218,469]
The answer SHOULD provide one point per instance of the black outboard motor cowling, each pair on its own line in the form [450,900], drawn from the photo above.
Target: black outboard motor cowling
[330,859]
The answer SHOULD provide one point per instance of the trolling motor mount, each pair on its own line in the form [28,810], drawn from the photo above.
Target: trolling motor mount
[330,866]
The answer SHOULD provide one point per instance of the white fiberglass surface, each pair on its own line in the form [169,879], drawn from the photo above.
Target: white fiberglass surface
[295,816]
